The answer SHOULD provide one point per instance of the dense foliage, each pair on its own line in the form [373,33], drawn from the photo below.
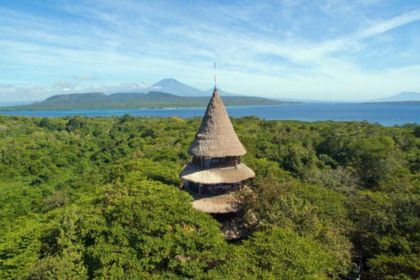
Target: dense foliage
[85,198]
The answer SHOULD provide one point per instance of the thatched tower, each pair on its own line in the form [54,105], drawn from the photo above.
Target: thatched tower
[216,173]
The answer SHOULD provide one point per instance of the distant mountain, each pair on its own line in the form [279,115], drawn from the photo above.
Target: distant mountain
[126,95]
[403,96]
[132,100]
[74,99]
[178,88]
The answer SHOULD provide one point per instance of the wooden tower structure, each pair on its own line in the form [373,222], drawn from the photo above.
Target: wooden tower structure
[216,173]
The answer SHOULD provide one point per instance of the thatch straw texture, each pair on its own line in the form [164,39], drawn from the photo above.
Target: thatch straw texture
[220,175]
[216,136]
[219,204]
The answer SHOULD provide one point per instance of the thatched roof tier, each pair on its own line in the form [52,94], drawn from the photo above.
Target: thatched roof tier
[216,136]
[219,204]
[220,175]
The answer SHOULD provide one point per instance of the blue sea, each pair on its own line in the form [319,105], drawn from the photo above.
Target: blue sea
[387,114]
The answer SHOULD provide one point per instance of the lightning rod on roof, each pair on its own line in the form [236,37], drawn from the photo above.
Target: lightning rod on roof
[214,66]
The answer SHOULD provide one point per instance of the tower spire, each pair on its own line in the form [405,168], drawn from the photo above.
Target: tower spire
[215,84]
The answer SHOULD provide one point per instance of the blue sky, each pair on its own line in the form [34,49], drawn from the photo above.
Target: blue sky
[338,50]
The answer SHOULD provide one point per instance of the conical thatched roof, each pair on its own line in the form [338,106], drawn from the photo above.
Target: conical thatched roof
[216,136]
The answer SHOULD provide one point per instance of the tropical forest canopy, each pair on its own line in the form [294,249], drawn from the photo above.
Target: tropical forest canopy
[99,198]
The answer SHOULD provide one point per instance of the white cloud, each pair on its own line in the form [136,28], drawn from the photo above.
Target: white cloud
[387,25]
[84,77]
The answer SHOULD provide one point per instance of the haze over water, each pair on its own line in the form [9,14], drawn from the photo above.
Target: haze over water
[386,114]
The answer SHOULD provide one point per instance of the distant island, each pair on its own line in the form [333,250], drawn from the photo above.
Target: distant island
[130,100]
[401,97]
[171,93]
[166,93]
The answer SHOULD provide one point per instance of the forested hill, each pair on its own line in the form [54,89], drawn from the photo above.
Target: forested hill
[99,198]
[99,100]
